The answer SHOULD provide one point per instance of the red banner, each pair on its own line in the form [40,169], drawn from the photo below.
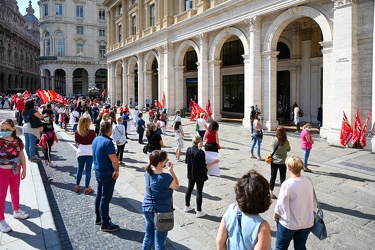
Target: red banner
[163,100]
[208,108]
[103,93]
[196,110]
[346,131]
[43,95]
[357,129]
[56,97]
[362,139]
[14,98]
[26,94]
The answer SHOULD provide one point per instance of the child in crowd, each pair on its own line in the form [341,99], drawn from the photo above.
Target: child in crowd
[47,139]
[179,138]
[12,160]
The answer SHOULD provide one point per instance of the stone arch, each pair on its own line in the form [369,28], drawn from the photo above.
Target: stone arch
[133,61]
[151,55]
[286,42]
[223,36]
[180,52]
[119,68]
[288,16]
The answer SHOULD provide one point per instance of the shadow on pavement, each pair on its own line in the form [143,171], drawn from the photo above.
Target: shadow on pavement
[183,189]
[229,177]
[128,234]
[127,203]
[344,176]
[211,218]
[347,211]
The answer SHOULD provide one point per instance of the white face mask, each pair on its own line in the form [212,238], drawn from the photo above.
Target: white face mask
[259,117]
[308,129]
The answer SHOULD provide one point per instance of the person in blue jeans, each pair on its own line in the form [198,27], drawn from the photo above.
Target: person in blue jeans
[294,209]
[257,135]
[31,134]
[106,172]
[140,128]
[84,137]
[159,199]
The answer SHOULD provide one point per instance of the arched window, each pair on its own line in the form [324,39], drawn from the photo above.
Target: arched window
[283,49]
[59,44]
[47,44]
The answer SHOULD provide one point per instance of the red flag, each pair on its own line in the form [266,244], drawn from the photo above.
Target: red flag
[43,95]
[208,108]
[196,110]
[103,93]
[357,129]
[159,105]
[362,139]
[26,94]
[346,131]
[14,98]
[56,97]
[163,100]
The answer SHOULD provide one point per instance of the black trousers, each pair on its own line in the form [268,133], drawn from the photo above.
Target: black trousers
[274,168]
[120,151]
[199,194]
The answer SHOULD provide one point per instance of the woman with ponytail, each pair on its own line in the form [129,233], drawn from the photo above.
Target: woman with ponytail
[162,186]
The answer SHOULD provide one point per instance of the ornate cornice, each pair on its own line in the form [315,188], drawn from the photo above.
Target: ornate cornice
[341,3]
[254,23]
[202,38]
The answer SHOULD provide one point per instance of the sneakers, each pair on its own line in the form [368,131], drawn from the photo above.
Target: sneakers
[4,227]
[307,170]
[21,215]
[200,214]
[35,159]
[98,222]
[77,188]
[252,156]
[110,227]
[188,208]
[260,158]
[52,164]
[88,190]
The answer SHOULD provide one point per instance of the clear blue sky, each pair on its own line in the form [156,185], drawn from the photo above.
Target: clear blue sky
[23,4]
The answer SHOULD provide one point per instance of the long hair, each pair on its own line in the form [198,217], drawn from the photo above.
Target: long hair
[11,123]
[156,157]
[214,126]
[197,141]
[177,126]
[29,104]
[83,126]
[281,135]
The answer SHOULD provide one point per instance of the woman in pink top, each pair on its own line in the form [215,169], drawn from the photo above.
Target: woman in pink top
[306,145]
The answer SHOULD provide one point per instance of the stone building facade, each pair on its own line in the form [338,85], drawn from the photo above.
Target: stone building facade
[19,47]
[241,53]
[73,45]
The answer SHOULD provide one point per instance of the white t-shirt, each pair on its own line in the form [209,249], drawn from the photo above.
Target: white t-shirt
[296,115]
[201,123]
[296,203]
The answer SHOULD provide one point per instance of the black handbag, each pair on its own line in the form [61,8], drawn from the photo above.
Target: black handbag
[35,122]
[163,222]
[319,228]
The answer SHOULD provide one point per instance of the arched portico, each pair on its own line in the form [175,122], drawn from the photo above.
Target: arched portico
[269,60]
[118,88]
[179,85]
[151,75]
[215,62]
[132,79]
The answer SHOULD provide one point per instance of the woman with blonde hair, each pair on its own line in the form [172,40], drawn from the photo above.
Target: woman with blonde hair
[84,137]
[294,209]
[196,173]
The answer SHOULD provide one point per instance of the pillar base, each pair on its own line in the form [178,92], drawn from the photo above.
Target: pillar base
[271,125]
[246,122]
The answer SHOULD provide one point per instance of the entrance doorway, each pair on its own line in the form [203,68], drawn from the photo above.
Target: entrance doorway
[191,90]
[283,95]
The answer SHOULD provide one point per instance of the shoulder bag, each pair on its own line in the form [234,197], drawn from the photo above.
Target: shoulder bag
[163,222]
[319,228]
[268,159]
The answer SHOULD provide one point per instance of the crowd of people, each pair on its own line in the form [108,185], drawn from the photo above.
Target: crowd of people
[103,147]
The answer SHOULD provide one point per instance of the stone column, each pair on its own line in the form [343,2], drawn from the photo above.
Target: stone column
[124,81]
[147,15]
[215,86]
[110,78]
[345,62]
[253,78]
[130,89]
[91,80]
[203,86]
[117,89]
[148,84]
[181,6]
[202,6]
[110,27]
[371,123]
[269,102]
[43,82]
[68,85]
[53,87]
[168,83]
[168,13]
[141,85]
[305,86]
[159,14]
[179,82]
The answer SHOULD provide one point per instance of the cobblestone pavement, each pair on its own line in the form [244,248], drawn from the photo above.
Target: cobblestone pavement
[343,178]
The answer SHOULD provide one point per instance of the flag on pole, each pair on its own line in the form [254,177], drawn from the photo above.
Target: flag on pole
[362,139]
[208,108]
[26,94]
[103,93]
[56,97]
[196,110]
[357,129]
[43,95]
[346,131]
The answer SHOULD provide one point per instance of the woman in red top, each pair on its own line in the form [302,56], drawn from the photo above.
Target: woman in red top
[212,137]
[306,145]
[84,137]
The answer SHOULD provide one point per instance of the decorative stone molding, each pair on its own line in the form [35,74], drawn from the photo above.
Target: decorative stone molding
[293,11]
[202,38]
[254,23]
[166,48]
[340,3]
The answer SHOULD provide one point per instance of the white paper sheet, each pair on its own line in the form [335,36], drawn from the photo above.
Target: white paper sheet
[214,169]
